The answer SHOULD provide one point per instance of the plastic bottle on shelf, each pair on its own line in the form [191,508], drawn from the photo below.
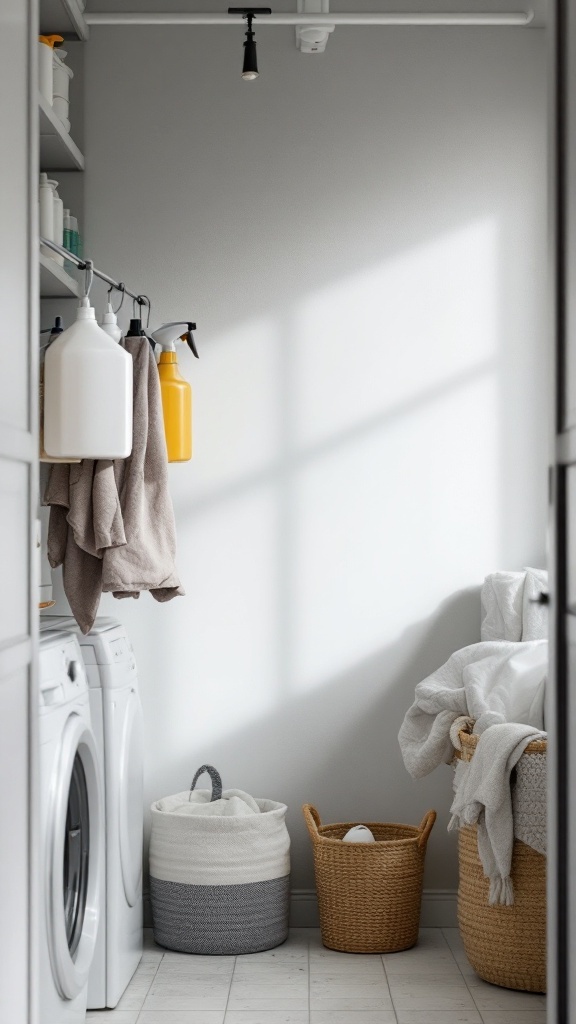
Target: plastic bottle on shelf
[66,238]
[74,237]
[66,241]
[58,229]
[45,62]
[61,87]
[46,198]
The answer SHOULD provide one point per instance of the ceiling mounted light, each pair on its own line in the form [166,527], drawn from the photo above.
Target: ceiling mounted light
[250,66]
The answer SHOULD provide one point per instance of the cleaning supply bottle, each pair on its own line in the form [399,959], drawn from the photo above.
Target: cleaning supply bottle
[176,391]
[75,244]
[135,330]
[87,393]
[55,332]
[66,232]
[110,324]
[46,201]
[61,75]
[45,62]
[58,221]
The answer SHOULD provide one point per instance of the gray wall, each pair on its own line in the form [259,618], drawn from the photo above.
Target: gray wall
[361,239]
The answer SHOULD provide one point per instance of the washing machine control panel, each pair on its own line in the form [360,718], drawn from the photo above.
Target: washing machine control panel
[62,673]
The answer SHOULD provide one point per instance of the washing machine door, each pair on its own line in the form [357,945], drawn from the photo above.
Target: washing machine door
[74,868]
[131,802]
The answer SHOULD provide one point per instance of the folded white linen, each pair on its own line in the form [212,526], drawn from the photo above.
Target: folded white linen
[491,682]
[501,597]
[534,614]
[510,610]
[483,798]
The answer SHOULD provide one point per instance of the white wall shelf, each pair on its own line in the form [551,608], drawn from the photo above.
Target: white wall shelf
[55,281]
[58,151]
[63,16]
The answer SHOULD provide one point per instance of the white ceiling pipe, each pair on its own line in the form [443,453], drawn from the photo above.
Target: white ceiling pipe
[513,18]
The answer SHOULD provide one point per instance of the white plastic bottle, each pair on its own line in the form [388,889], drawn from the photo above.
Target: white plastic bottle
[74,236]
[87,393]
[45,62]
[58,227]
[110,324]
[61,87]
[46,197]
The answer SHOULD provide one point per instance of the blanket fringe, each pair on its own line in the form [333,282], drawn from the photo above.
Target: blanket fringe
[501,892]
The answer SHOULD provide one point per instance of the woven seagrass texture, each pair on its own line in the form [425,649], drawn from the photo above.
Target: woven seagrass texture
[505,945]
[470,742]
[369,894]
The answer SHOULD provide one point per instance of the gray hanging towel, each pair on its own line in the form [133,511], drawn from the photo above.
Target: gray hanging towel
[146,561]
[112,523]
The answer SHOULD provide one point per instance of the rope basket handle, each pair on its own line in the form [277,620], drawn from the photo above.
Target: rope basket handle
[216,782]
[312,819]
[425,828]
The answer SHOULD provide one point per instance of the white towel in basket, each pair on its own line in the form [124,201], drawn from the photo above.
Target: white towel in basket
[233,803]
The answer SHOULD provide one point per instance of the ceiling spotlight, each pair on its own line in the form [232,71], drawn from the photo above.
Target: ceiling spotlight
[250,66]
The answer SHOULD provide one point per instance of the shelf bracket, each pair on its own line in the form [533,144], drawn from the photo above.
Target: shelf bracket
[313,38]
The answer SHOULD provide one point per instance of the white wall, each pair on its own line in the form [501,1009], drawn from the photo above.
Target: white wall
[361,238]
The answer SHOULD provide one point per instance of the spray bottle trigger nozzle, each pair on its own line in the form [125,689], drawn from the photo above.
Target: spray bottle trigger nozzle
[189,338]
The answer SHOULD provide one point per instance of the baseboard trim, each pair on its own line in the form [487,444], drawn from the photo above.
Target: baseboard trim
[439,909]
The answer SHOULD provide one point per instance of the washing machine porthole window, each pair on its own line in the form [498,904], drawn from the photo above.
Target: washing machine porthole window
[76,855]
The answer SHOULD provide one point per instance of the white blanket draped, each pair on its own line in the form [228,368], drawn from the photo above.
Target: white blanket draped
[492,682]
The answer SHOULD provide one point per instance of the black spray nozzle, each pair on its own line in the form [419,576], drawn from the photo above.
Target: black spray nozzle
[57,327]
[190,340]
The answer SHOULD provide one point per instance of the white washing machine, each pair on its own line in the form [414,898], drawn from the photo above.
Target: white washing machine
[72,847]
[117,717]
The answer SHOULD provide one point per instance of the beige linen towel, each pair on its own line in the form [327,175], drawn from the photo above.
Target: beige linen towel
[112,523]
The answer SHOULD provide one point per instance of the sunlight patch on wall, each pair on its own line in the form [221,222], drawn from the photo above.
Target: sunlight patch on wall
[235,406]
[230,623]
[379,338]
[389,524]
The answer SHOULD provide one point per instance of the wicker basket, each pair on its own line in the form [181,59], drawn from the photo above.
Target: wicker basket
[369,895]
[505,945]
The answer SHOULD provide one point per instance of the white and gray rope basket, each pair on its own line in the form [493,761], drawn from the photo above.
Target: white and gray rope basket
[219,883]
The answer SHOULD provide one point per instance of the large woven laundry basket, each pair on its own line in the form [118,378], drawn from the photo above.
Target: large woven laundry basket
[219,884]
[369,894]
[505,945]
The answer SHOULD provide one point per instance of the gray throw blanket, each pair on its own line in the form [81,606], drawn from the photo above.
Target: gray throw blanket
[483,798]
[112,523]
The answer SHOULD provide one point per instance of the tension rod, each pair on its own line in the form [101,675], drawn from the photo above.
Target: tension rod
[520,19]
[118,286]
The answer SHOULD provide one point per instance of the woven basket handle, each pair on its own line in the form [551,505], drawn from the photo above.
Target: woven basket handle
[425,829]
[216,782]
[312,819]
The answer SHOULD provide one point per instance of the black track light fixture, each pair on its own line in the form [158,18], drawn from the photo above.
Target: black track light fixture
[250,66]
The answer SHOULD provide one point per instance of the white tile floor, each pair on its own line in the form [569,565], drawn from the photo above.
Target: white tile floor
[301,982]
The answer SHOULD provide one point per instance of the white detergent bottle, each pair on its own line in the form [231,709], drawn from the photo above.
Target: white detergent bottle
[58,221]
[110,324]
[87,393]
[46,205]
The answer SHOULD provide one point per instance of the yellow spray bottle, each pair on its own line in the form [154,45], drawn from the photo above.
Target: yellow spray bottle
[176,391]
